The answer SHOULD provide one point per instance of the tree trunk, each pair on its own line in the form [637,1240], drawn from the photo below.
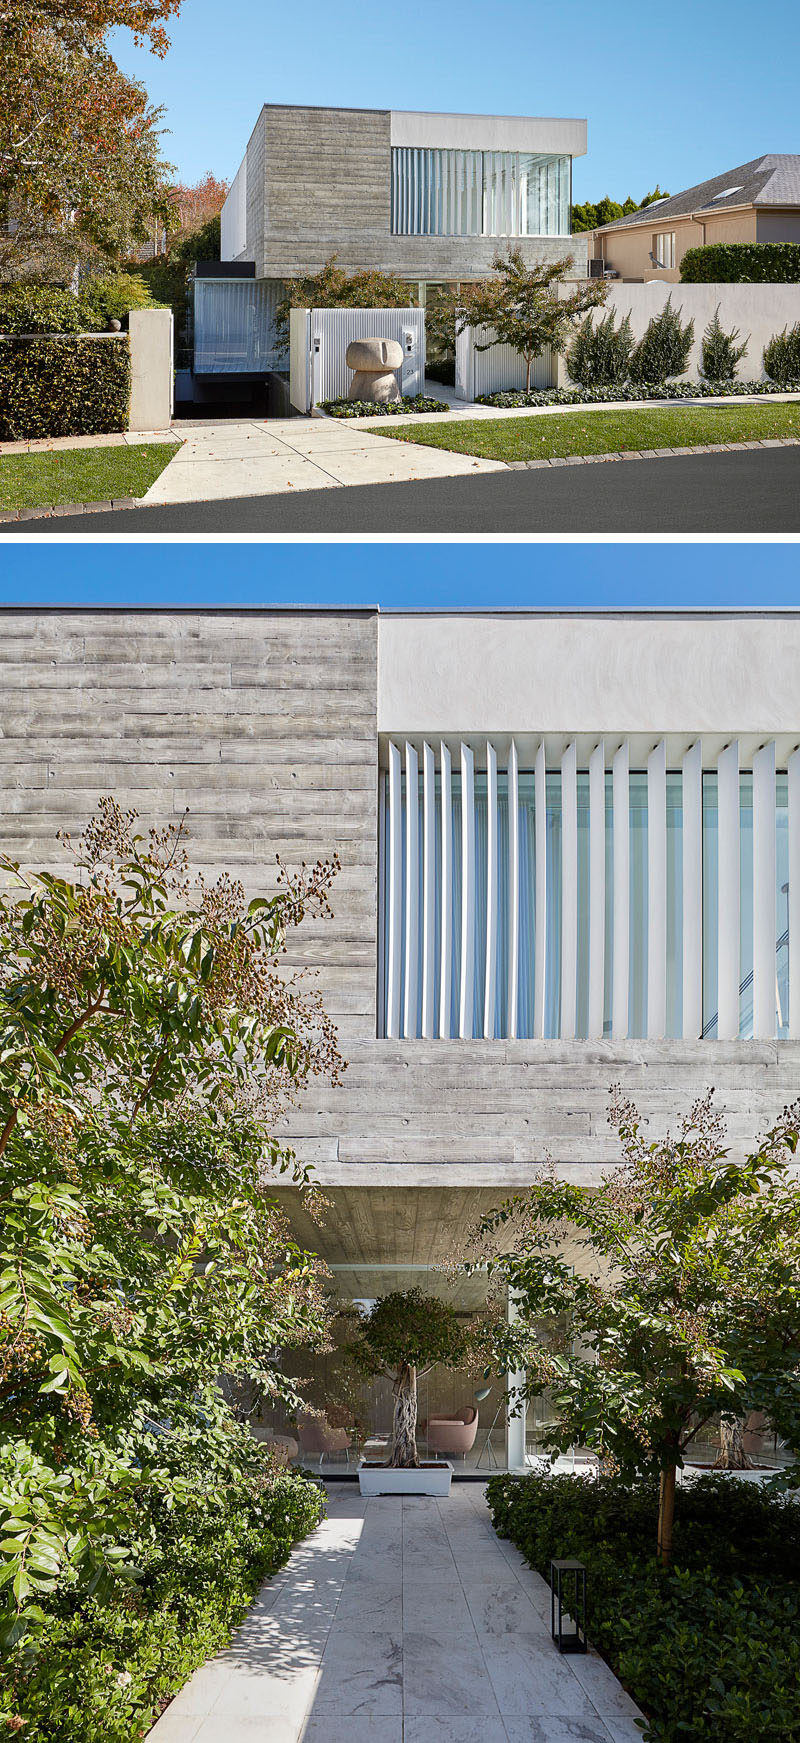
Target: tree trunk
[528,366]
[666,1514]
[732,1456]
[404,1426]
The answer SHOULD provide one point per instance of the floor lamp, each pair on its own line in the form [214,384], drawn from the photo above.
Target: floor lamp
[480,1396]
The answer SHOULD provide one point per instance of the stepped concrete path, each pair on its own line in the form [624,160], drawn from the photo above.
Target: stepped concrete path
[401,1621]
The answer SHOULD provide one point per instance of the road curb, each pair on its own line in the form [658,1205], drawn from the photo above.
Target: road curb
[55,509]
[647,454]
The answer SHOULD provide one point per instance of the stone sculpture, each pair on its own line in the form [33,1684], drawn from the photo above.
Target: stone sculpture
[374,362]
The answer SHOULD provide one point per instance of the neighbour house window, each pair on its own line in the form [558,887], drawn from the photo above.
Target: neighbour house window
[463,869]
[664,248]
[479,193]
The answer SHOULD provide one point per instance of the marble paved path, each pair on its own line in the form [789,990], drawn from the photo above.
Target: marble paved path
[401,1622]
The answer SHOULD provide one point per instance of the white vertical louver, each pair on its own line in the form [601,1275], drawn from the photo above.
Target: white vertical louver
[620,972]
[597,890]
[657,893]
[509,912]
[692,891]
[728,897]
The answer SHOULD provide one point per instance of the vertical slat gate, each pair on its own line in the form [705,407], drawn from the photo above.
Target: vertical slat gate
[540,924]
[428,890]
[569,892]
[446,969]
[692,891]
[794,894]
[411,983]
[513,889]
[490,978]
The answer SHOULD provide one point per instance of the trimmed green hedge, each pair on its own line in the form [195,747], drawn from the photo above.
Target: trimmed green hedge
[742,263]
[104,1672]
[33,308]
[63,385]
[710,1649]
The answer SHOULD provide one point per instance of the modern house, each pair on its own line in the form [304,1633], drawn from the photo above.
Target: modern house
[425,196]
[756,202]
[570,848]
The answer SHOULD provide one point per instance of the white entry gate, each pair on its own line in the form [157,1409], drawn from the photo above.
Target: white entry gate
[497,369]
[318,341]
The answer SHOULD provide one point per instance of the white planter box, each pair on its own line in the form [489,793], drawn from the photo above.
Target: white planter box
[433,1479]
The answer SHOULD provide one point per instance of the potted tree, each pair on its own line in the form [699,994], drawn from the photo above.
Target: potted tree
[403,1334]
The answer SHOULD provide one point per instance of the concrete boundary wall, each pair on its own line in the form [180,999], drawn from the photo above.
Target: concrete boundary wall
[152,369]
[757,310]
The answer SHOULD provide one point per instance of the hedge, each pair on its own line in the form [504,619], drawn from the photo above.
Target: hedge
[708,1650]
[104,1672]
[63,385]
[742,263]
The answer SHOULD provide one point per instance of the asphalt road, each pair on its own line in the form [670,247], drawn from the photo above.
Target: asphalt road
[753,491]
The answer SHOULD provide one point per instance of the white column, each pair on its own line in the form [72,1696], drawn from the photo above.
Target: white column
[490,980]
[394,916]
[467,989]
[794,895]
[728,899]
[622,893]
[412,895]
[765,913]
[597,889]
[657,892]
[569,892]
[446,941]
[540,918]
[428,889]
[513,890]
[692,820]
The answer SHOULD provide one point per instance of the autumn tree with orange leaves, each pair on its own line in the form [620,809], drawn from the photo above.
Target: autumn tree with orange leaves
[81,173]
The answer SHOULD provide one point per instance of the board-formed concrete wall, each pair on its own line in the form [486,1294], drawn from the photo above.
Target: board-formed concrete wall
[264,724]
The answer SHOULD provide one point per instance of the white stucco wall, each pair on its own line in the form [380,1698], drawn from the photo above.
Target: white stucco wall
[233,218]
[627,674]
[152,378]
[758,311]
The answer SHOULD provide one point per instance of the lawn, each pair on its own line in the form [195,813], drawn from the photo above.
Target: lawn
[557,435]
[80,474]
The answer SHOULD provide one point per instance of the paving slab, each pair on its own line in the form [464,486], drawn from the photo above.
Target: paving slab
[400,1619]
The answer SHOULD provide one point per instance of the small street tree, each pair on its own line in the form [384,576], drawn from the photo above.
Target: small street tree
[665,1298]
[149,1035]
[403,1334]
[522,305]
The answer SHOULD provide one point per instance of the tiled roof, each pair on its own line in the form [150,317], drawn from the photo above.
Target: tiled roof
[773,180]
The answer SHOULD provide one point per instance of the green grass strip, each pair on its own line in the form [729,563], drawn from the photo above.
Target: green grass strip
[557,435]
[44,480]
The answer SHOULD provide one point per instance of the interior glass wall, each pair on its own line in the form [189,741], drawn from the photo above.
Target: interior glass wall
[479,193]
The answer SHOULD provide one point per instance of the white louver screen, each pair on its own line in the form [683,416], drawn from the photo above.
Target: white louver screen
[581,902]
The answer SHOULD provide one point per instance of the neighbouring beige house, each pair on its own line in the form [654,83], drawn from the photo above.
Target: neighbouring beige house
[758,202]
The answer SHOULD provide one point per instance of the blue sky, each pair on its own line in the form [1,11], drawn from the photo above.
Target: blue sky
[672,94]
[487,575]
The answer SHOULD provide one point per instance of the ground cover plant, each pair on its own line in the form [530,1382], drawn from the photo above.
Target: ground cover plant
[513,399]
[150,1036]
[393,408]
[709,1648]
[608,432]
[80,474]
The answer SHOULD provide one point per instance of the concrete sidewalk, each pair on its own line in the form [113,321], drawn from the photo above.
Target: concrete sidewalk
[226,460]
[401,1621]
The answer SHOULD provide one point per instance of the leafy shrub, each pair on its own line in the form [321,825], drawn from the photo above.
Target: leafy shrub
[720,351]
[63,386]
[742,263]
[29,308]
[112,295]
[600,355]
[664,347]
[711,1648]
[396,408]
[103,1672]
[782,357]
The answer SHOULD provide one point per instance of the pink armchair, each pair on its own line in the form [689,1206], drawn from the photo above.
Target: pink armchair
[453,1434]
[318,1440]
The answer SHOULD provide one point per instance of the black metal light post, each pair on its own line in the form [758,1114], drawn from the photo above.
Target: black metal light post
[573,1639]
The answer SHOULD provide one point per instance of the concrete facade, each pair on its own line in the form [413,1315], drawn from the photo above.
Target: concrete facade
[271,726]
[318,182]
